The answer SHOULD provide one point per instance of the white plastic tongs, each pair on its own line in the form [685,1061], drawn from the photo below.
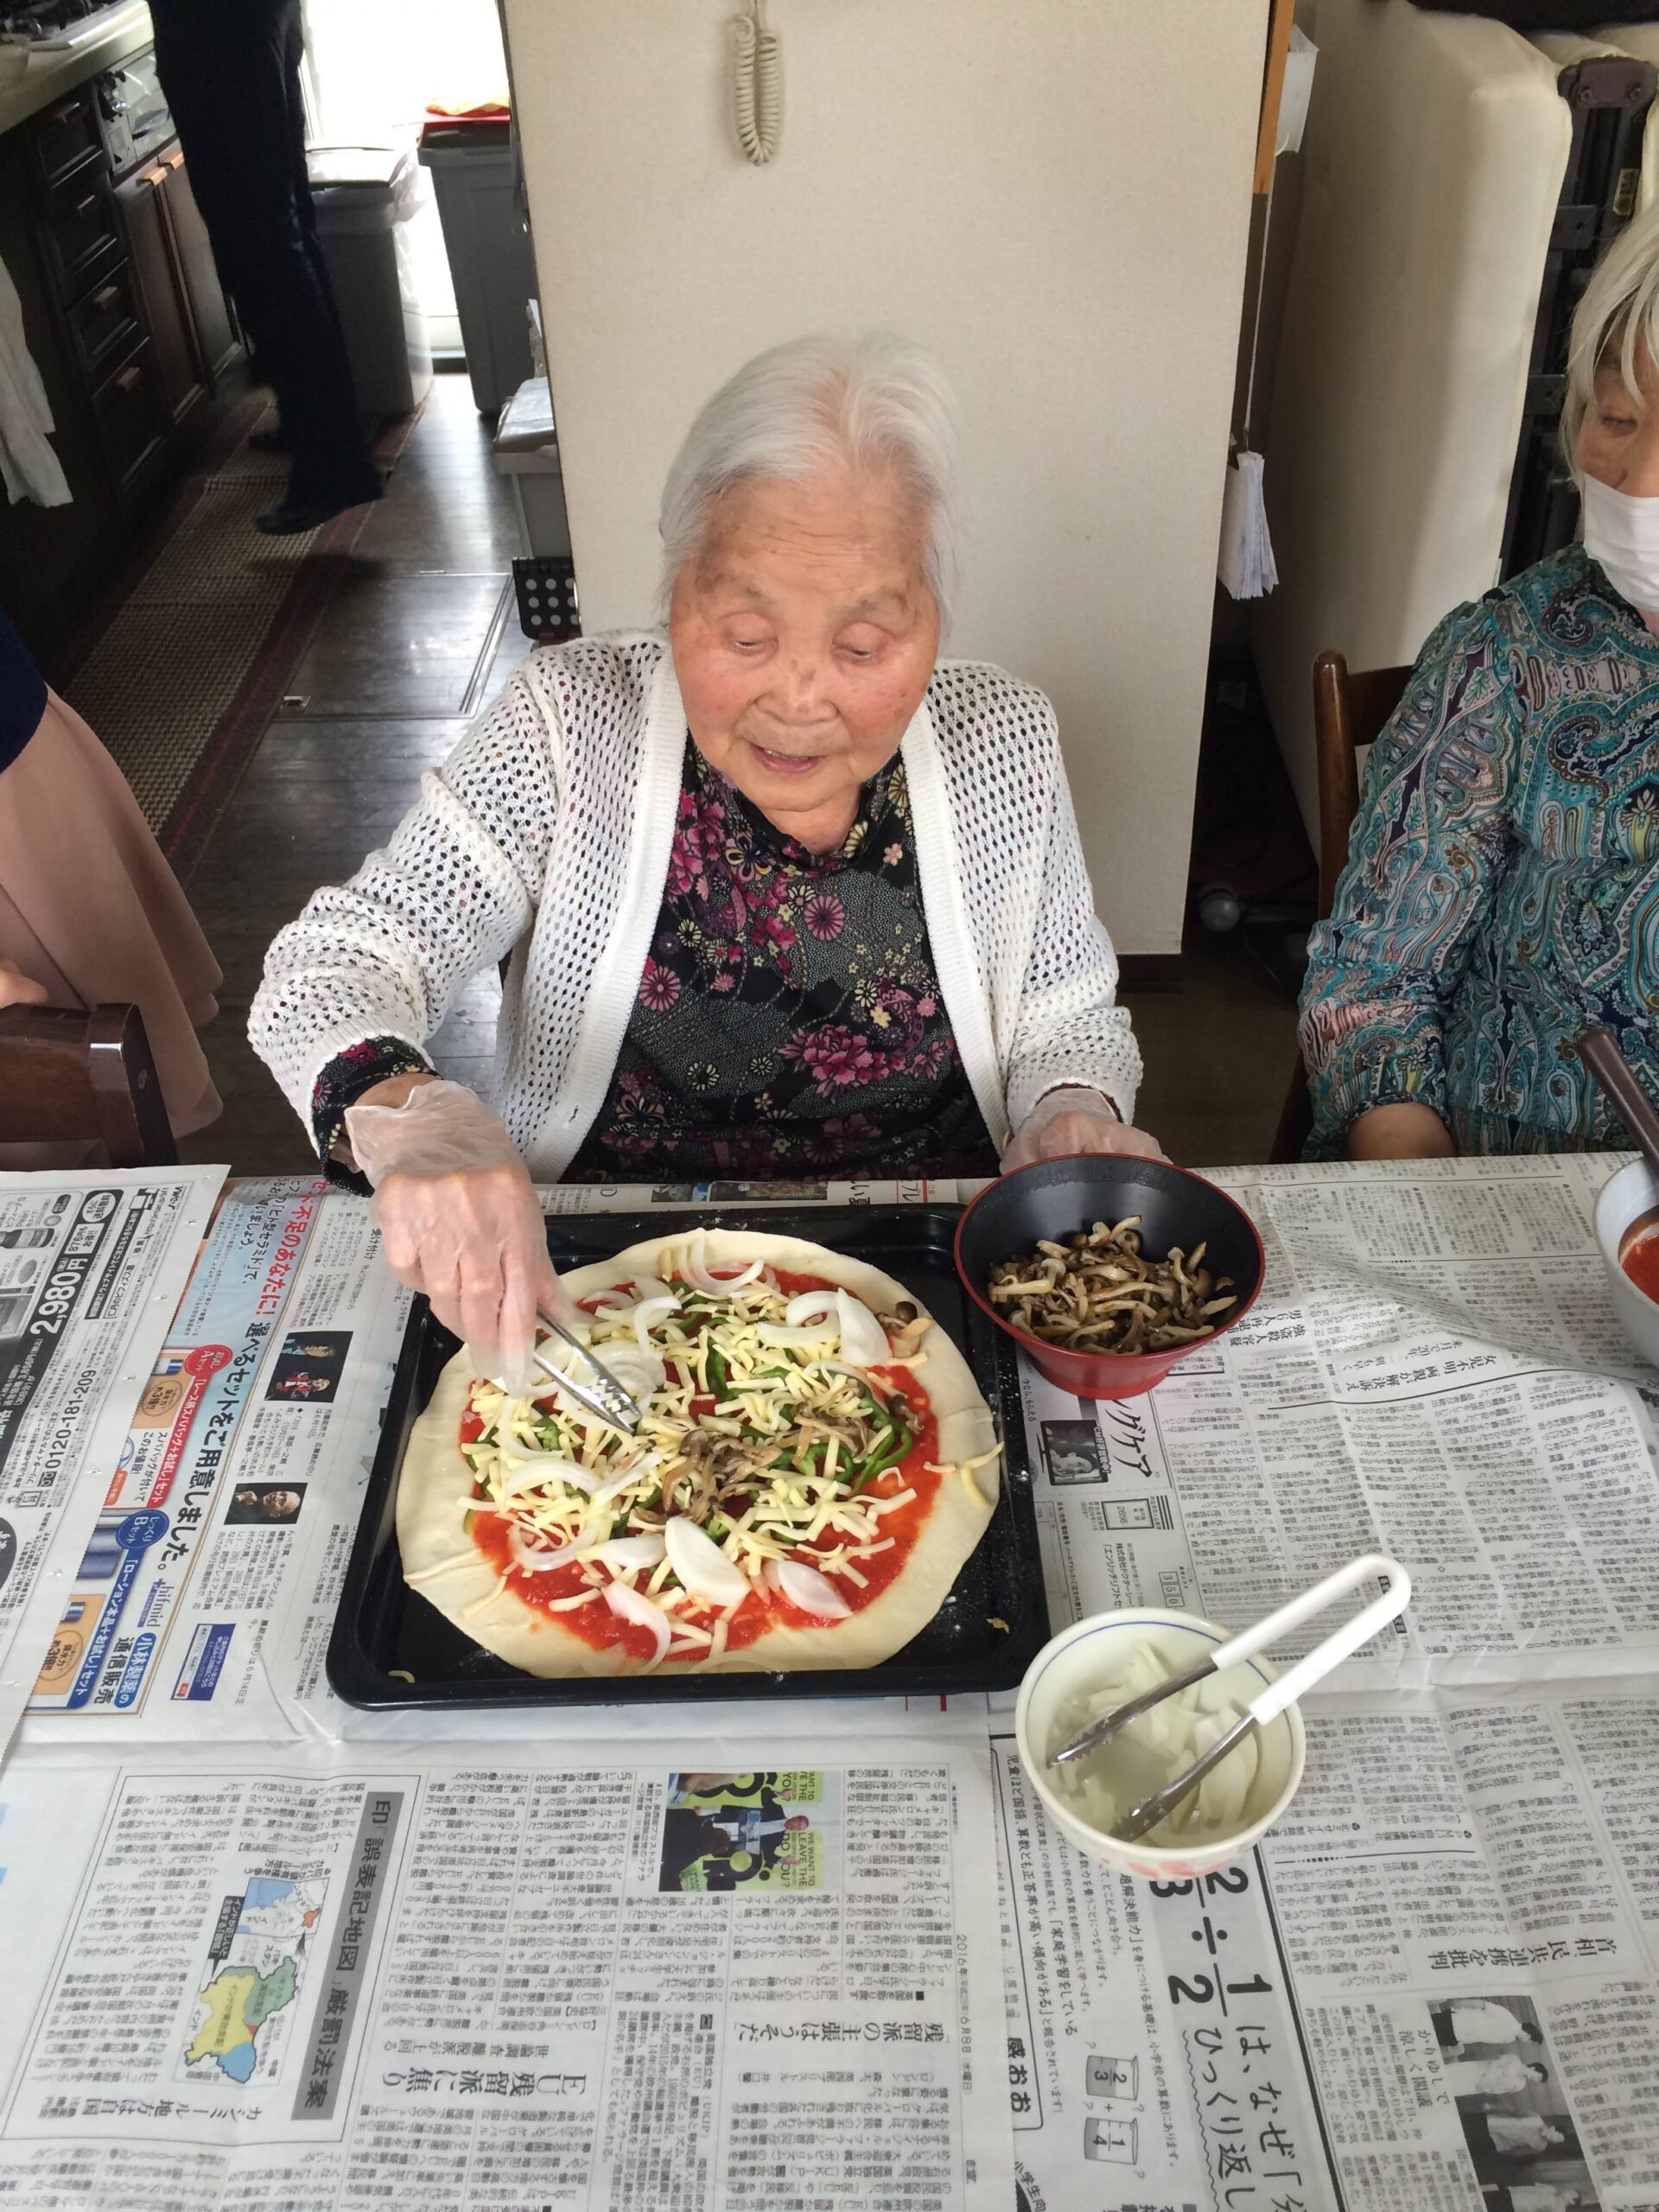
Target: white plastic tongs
[1274,1697]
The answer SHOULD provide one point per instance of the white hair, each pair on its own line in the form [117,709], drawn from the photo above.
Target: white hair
[1618,312]
[874,403]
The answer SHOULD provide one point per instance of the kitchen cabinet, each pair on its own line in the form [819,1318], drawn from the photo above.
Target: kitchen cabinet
[156,264]
[124,317]
[216,336]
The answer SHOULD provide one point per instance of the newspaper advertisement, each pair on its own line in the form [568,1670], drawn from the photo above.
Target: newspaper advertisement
[92,1265]
[1433,1988]
[522,1979]
[208,1578]
[1432,1370]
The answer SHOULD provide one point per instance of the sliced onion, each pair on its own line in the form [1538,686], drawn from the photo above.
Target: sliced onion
[702,1566]
[769,1575]
[812,1306]
[693,1267]
[537,1558]
[638,1370]
[529,1470]
[629,1604]
[617,1294]
[648,1311]
[646,1286]
[813,1592]
[629,1551]
[779,1332]
[862,1340]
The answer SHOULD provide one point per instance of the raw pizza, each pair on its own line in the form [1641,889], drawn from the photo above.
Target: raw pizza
[814,1465]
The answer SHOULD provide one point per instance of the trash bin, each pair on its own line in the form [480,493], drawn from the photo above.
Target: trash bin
[489,250]
[527,454]
[364,197]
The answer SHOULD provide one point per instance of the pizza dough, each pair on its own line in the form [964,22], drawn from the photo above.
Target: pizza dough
[451,1574]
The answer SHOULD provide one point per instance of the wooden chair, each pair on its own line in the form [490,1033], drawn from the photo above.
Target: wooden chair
[1349,712]
[67,1076]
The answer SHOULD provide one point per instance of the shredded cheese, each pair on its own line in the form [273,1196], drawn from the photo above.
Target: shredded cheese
[767,1467]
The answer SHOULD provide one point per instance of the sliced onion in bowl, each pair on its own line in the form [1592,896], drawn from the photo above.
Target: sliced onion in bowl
[862,1339]
[631,1604]
[812,1591]
[702,1566]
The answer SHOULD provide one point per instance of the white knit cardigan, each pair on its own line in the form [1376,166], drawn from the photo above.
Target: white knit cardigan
[547,836]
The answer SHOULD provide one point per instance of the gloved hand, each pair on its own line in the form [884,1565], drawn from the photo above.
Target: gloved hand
[460,1220]
[1074,1119]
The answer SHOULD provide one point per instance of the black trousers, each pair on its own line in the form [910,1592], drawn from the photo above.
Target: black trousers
[231,71]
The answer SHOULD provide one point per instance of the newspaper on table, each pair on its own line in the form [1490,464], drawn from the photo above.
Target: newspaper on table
[91,1264]
[505,1979]
[1434,1987]
[1433,1369]
[232,1511]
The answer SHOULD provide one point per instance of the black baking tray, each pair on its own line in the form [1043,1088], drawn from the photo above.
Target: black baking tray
[385,1629]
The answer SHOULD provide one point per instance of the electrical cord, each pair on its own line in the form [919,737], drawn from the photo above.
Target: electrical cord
[757,85]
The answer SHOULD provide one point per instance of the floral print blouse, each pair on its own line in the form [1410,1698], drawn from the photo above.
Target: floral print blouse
[789,1018]
[1502,892]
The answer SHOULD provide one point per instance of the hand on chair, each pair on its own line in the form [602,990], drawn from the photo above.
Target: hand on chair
[18,990]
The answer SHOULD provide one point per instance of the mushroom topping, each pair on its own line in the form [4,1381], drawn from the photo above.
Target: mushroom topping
[1098,1292]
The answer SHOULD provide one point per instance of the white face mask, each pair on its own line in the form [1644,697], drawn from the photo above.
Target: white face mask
[1622,532]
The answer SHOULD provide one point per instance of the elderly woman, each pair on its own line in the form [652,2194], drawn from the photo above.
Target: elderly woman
[782,890]
[1502,892]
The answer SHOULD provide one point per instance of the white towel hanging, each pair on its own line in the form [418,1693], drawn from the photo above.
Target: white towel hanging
[30,468]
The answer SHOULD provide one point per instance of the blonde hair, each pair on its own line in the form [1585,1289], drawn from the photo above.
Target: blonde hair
[1619,309]
[874,401]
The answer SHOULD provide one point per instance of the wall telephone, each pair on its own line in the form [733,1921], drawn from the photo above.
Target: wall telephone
[757,85]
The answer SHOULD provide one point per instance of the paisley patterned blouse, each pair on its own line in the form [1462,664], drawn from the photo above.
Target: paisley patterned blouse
[789,1018]
[1502,892]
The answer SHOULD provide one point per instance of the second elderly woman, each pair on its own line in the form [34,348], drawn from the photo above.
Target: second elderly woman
[783,893]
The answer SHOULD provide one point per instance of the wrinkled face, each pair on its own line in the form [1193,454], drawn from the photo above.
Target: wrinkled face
[282,1505]
[804,637]
[1619,442]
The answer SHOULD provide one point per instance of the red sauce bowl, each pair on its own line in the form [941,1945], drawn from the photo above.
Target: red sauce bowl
[1054,1199]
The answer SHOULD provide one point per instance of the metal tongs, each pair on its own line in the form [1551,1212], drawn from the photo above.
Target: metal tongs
[1275,1696]
[604,1397]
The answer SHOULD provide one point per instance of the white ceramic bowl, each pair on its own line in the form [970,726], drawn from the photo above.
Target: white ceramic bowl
[1625,1199]
[1090,1652]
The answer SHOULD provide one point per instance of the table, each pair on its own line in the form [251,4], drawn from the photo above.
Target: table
[262,1944]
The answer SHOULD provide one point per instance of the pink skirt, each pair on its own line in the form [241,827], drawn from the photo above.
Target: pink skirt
[90,908]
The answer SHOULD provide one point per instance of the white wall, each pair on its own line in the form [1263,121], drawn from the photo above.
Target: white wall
[1053,197]
[1435,149]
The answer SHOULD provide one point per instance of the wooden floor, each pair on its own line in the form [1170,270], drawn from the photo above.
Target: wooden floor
[422,633]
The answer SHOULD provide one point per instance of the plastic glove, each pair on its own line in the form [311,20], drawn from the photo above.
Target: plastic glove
[1074,1120]
[460,1220]
[18,990]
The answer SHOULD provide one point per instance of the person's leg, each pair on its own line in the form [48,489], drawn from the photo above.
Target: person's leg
[231,76]
[334,452]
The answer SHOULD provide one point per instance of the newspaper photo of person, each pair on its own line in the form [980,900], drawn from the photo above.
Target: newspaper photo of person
[1072,1451]
[743,1832]
[1499,2067]
[264,1505]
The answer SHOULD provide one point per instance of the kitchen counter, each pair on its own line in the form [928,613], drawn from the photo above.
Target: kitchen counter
[51,74]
